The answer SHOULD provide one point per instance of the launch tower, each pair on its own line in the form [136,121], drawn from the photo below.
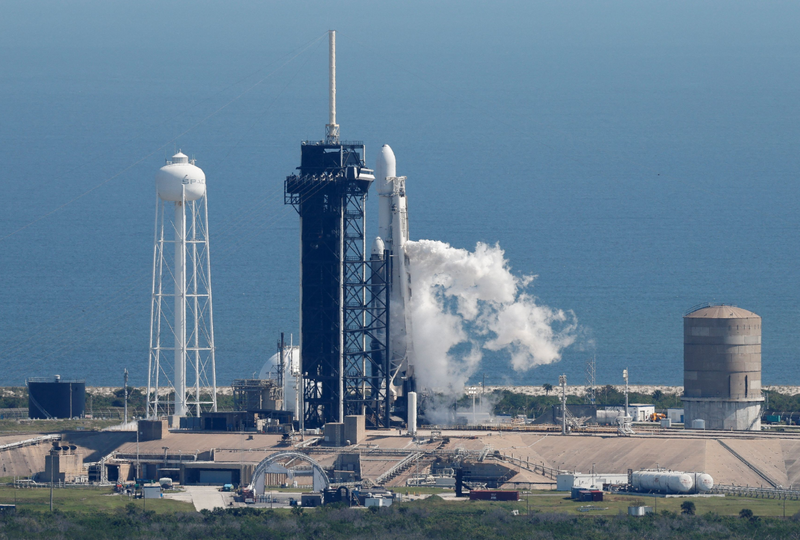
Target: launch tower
[343,313]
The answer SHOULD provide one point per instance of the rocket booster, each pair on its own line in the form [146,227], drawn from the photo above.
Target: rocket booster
[393,234]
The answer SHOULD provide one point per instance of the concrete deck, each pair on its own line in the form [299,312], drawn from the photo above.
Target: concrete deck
[774,456]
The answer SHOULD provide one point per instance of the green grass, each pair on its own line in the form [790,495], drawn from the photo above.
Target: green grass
[85,499]
[724,506]
[92,514]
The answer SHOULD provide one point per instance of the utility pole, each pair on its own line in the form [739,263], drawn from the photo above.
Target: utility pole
[282,371]
[625,376]
[52,471]
[138,463]
[562,380]
[125,386]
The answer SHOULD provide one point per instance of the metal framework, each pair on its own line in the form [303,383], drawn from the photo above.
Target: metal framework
[591,371]
[287,463]
[344,310]
[182,334]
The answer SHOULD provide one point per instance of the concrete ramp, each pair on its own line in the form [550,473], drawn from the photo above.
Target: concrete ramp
[765,458]
[791,460]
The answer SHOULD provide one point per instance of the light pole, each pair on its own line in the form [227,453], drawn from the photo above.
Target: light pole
[562,381]
[625,376]
[473,391]
[52,470]
[138,463]
[125,386]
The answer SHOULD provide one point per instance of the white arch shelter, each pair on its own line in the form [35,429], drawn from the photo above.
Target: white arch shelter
[273,465]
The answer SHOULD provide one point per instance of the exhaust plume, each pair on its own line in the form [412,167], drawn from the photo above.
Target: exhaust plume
[466,302]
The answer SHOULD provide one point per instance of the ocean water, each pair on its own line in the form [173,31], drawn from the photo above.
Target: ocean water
[637,158]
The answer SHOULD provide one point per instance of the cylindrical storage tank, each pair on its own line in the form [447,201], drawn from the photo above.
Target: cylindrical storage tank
[291,365]
[722,367]
[663,482]
[703,482]
[56,398]
[722,353]
[412,413]
[180,179]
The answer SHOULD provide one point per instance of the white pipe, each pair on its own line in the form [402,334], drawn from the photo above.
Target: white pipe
[211,344]
[341,309]
[180,308]
[150,412]
[332,72]
[195,317]
[332,128]
[158,315]
[301,409]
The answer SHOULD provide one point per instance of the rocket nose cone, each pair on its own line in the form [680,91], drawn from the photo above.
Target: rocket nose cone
[378,246]
[386,164]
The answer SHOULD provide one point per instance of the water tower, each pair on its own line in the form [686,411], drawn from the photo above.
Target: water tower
[181,322]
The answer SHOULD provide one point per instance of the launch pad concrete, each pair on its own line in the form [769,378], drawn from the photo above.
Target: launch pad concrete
[768,460]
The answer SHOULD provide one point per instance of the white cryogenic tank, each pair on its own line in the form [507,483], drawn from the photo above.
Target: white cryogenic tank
[180,180]
[663,481]
[703,482]
[291,366]
[412,413]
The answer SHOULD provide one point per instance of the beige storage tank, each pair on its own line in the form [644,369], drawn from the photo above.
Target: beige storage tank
[722,368]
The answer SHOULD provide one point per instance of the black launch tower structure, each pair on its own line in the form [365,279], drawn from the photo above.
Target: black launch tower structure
[344,296]
[344,300]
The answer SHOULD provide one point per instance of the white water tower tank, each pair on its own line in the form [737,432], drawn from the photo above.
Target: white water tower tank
[180,178]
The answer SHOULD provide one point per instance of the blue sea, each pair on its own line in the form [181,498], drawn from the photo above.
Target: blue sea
[639,158]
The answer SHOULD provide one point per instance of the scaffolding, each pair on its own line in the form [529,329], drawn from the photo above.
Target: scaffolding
[344,301]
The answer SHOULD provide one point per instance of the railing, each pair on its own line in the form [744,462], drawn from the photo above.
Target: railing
[398,468]
[30,442]
[14,413]
[757,492]
[537,468]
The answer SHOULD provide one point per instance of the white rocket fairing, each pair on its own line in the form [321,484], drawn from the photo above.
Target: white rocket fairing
[393,234]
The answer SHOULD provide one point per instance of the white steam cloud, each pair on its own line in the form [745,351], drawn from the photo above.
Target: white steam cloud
[464,302]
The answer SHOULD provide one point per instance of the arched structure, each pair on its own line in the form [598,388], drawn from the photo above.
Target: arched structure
[273,465]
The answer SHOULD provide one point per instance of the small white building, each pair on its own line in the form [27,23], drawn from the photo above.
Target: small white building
[377,501]
[641,412]
[676,415]
[567,481]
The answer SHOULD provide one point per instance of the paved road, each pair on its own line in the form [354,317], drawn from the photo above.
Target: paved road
[208,497]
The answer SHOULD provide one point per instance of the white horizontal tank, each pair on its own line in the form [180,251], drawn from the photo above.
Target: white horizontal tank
[180,179]
[704,482]
[663,481]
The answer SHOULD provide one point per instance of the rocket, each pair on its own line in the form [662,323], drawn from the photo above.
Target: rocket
[391,240]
